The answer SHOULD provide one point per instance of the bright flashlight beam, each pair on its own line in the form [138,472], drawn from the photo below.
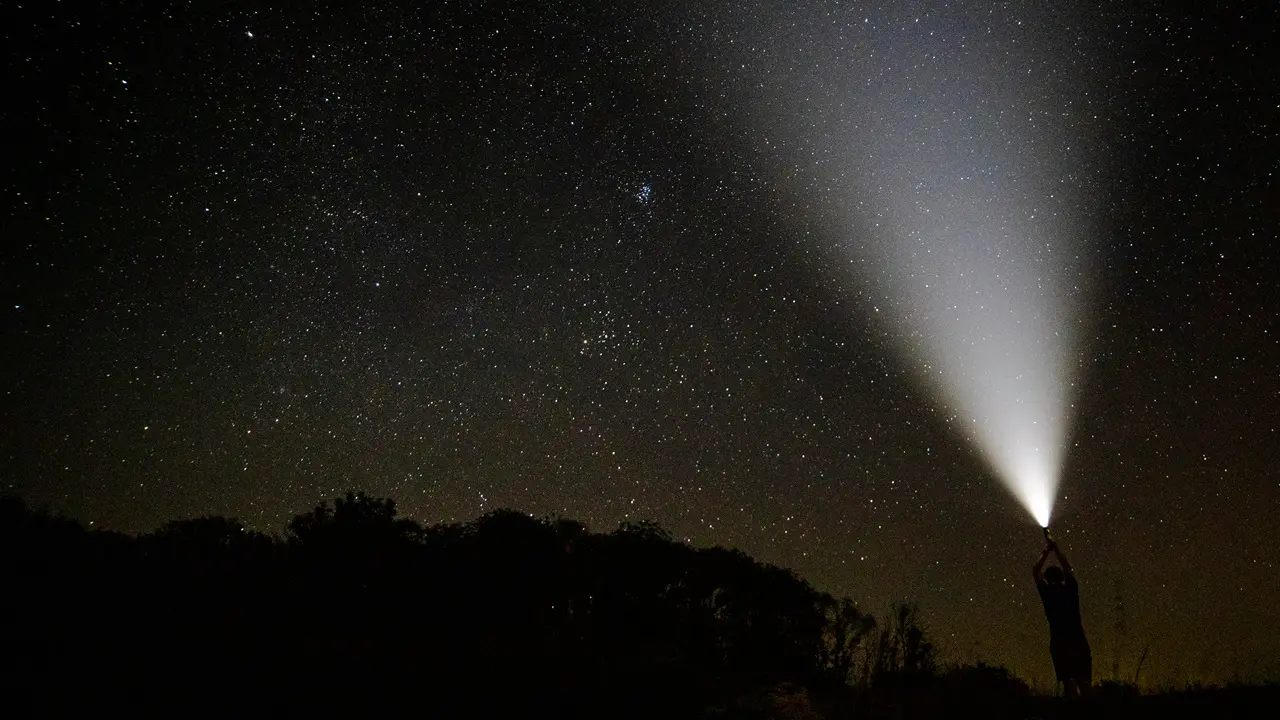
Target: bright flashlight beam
[986,322]
[955,152]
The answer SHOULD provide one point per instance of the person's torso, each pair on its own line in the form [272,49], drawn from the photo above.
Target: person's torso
[1062,608]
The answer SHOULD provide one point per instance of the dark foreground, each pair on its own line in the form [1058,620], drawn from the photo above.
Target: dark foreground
[357,613]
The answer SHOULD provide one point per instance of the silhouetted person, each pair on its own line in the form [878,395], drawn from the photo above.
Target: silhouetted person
[1067,644]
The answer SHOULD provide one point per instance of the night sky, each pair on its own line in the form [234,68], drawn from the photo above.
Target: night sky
[473,256]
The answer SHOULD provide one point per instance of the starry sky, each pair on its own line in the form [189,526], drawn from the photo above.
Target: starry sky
[560,258]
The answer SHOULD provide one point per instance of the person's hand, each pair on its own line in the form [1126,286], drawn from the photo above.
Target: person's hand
[1051,547]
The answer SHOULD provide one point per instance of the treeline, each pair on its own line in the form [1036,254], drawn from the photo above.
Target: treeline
[355,611]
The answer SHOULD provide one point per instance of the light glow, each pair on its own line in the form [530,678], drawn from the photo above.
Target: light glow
[960,196]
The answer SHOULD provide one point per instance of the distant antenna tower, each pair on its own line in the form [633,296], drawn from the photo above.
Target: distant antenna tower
[1120,629]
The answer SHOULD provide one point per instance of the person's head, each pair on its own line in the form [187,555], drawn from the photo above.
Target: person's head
[1053,575]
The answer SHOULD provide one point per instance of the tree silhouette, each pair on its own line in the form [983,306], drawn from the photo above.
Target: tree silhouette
[355,608]
[846,629]
[356,519]
[358,612]
[901,653]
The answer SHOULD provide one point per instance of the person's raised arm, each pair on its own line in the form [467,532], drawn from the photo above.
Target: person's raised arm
[1062,558]
[1038,571]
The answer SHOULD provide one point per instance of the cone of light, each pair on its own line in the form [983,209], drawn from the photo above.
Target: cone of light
[953,147]
[988,328]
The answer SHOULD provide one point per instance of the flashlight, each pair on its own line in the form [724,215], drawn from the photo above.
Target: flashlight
[1047,537]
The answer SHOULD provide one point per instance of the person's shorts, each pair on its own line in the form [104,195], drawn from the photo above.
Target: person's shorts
[1072,660]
